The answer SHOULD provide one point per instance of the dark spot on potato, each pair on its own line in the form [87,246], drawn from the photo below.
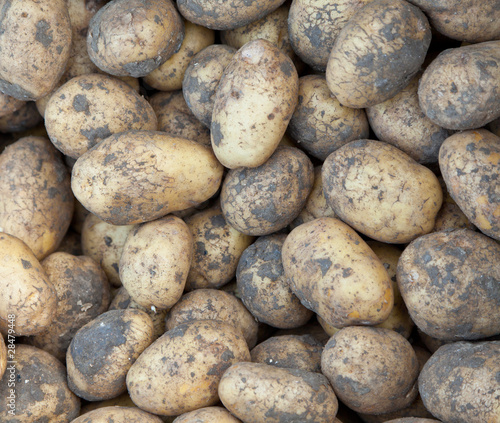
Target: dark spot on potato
[96,134]
[218,221]
[287,68]
[227,355]
[270,116]
[26,264]
[142,68]
[217,136]
[15,90]
[344,383]
[109,158]
[80,104]
[86,85]
[347,272]
[157,19]
[453,88]
[43,35]
[324,265]
[52,192]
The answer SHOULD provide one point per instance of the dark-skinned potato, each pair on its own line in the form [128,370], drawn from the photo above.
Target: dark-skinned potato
[23,119]
[231,14]
[470,166]
[175,118]
[90,108]
[207,414]
[35,43]
[139,176]
[117,414]
[366,172]
[181,370]
[256,392]
[449,281]
[102,352]
[265,199]
[217,247]
[40,391]
[82,294]
[3,356]
[254,102]
[400,121]
[377,52]
[169,75]
[460,384]
[335,274]
[263,287]
[134,37]
[354,360]
[320,124]
[9,105]
[459,89]
[155,262]
[202,78]
[212,304]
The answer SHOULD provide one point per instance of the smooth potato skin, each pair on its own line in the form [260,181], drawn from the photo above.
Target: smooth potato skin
[118,415]
[207,414]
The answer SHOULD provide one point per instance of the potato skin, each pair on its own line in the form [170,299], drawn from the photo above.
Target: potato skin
[118,415]
[9,104]
[23,119]
[3,356]
[207,414]
[256,392]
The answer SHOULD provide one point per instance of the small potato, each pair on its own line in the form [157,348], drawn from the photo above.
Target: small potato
[155,262]
[24,118]
[181,370]
[256,393]
[207,414]
[365,172]
[117,415]
[9,105]
[254,102]
[372,370]
[265,199]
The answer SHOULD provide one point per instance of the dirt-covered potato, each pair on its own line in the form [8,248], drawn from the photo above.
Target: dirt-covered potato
[3,356]
[90,108]
[169,75]
[35,42]
[256,392]
[134,37]
[372,370]
[211,304]
[34,389]
[139,176]
[265,199]
[320,124]
[254,102]
[181,370]
[102,352]
[449,282]
[377,52]
[117,415]
[366,172]
[470,166]
[155,262]
[460,383]
[175,118]
[335,274]
[202,78]
[9,105]
[24,118]
[207,414]
[459,89]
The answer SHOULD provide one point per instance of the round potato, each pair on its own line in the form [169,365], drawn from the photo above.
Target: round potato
[24,118]
[139,176]
[365,172]
[207,414]
[254,102]
[117,415]
[9,105]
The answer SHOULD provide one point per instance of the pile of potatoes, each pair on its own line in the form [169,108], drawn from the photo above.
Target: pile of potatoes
[249,211]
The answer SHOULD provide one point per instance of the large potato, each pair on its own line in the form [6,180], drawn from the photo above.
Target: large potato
[139,176]
[117,415]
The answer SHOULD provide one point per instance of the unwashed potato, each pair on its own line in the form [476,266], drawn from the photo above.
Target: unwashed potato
[23,119]
[34,389]
[365,172]
[35,43]
[254,102]
[90,108]
[117,414]
[139,176]
[3,356]
[9,104]
[134,37]
[207,414]
[256,392]
[181,370]
[377,52]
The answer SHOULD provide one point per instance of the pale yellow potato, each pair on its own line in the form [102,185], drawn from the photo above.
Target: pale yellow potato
[117,414]
[207,414]
[3,356]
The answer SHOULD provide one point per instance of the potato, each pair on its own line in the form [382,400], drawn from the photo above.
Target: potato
[71,243]
[254,102]
[312,328]
[412,420]
[35,42]
[265,199]
[134,37]
[449,283]
[117,415]
[90,108]
[377,53]
[3,356]
[9,104]
[181,370]
[372,370]
[365,172]
[231,14]
[256,392]
[335,274]
[102,352]
[459,89]
[459,383]
[139,176]
[470,165]
[34,389]
[28,301]
[320,124]
[263,287]
[24,118]
[202,78]
[207,414]
[37,203]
